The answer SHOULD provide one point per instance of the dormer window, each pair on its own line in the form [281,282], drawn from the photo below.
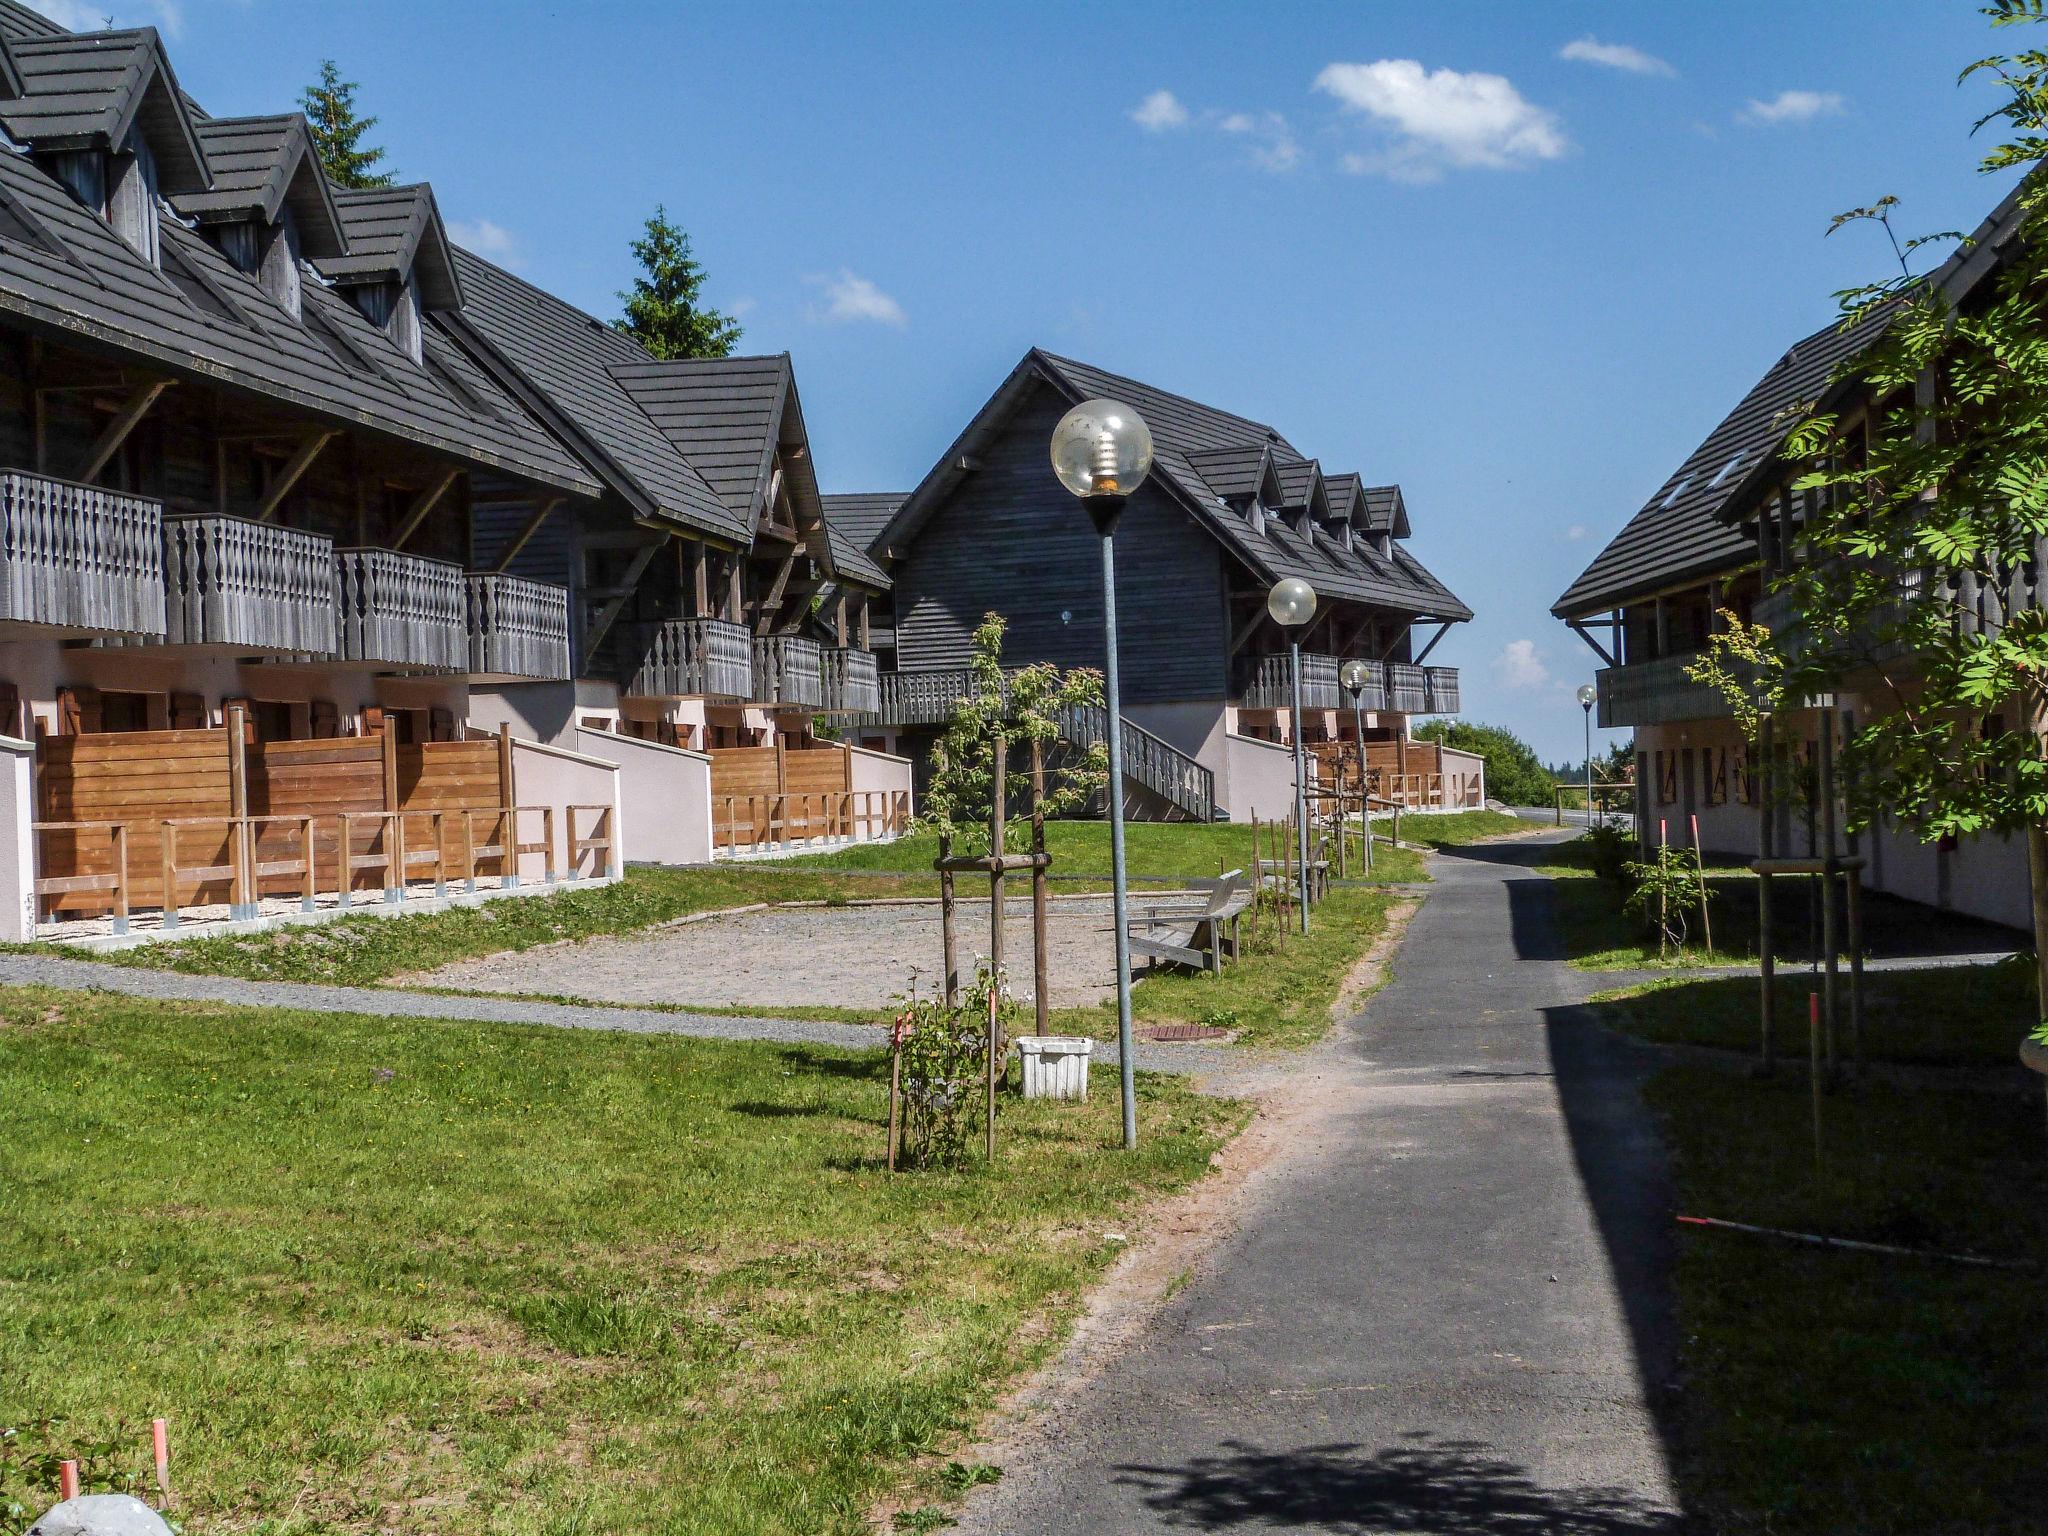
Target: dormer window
[1258,516]
[131,198]
[1385,541]
[395,309]
[269,254]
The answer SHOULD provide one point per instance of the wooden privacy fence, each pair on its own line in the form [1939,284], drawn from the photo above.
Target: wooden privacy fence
[770,795]
[1412,772]
[172,819]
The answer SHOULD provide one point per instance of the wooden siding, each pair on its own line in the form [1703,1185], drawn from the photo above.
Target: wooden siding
[1012,541]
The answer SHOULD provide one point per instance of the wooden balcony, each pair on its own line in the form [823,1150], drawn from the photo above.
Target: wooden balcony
[1270,683]
[1441,686]
[851,683]
[920,698]
[787,672]
[249,586]
[80,558]
[1656,693]
[1374,694]
[517,628]
[401,610]
[694,659]
[1407,688]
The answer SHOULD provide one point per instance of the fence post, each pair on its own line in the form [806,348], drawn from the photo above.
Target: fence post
[507,799]
[120,838]
[306,833]
[242,900]
[170,922]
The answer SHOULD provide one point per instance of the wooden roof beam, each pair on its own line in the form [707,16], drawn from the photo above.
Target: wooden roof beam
[422,504]
[1423,654]
[294,468]
[609,614]
[115,433]
[526,532]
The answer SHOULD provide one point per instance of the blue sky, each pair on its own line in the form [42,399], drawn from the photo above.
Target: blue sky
[1519,259]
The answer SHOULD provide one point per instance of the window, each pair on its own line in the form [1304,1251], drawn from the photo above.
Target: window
[1677,491]
[1713,775]
[191,280]
[1667,778]
[1726,469]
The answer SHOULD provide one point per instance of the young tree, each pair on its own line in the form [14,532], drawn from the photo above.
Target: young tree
[664,311]
[1922,572]
[330,108]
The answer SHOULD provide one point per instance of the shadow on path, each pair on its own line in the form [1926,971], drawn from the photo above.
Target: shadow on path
[1446,1487]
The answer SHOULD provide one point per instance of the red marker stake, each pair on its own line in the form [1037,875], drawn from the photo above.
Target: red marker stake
[160,1436]
[67,1480]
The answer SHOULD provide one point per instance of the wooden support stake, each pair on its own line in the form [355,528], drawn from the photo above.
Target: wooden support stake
[1699,867]
[895,1091]
[1040,968]
[1813,1070]
[160,1441]
[997,875]
[67,1480]
[1663,902]
[1830,937]
[949,945]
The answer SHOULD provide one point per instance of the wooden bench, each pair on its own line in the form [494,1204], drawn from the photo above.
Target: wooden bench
[1274,871]
[1212,924]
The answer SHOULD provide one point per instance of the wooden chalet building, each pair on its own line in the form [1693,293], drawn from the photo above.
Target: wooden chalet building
[1707,541]
[1230,508]
[701,660]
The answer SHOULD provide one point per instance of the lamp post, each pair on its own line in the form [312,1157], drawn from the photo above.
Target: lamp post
[1292,603]
[1102,451]
[1587,694]
[1354,678]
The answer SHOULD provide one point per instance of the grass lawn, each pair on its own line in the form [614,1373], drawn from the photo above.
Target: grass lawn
[1838,1393]
[1942,1016]
[1831,1392]
[400,1275]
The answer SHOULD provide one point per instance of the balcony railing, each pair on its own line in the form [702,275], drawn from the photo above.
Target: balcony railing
[786,672]
[1407,688]
[517,628]
[1656,693]
[1441,686]
[694,659]
[1374,694]
[401,610]
[920,698]
[77,557]
[252,586]
[1270,684]
[851,684]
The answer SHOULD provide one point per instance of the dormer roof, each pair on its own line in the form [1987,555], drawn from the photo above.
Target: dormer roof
[89,90]
[260,166]
[1240,471]
[1386,511]
[10,74]
[1302,489]
[393,233]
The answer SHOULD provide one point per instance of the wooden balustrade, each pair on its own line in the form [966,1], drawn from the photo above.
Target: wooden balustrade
[797,817]
[787,672]
[850,681]
[1270,684]
[402,609]
[254,586]
[694,659]
[517,628]
[78,557]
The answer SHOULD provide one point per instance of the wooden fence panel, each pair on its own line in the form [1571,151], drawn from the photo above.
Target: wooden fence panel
[772,794]
[452,776]
[320,778]
[137,777]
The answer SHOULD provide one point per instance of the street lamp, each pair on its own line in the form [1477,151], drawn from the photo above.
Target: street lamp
[1292,603]
[1102,451]
[1587,694]
[1354,677]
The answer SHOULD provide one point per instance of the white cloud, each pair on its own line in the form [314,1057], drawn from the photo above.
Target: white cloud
[1791,107]
[1159,112]
[1271,142]
[1442,119]
[1576,532]
[1519,667]
[742,307]
[1590,50]
[852,298]
[492,241]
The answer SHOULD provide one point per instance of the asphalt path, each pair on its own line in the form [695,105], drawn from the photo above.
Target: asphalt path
[1446,1313]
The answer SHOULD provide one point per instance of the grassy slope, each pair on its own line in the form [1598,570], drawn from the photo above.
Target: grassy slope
[388,1274]
[1838,1393]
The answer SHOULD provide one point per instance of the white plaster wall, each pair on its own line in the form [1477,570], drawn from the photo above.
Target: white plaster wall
[1261,779]
[553,776]
[1462,771]
[17,842]
[666,792]
[871,770]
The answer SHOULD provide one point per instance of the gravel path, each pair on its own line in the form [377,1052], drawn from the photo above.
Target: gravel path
[1221,1070]
[811,956]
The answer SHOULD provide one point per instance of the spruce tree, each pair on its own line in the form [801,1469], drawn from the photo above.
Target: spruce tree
[663,311]
[330,108]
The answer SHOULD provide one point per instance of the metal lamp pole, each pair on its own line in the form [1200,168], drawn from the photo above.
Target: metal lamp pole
[1587,694]
[1353,678]
[1300,786]
[1102,451]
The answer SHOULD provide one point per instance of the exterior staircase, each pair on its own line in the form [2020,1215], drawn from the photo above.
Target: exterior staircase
[1161,782]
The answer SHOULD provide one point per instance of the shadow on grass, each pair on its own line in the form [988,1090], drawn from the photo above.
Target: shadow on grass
[1446,1487]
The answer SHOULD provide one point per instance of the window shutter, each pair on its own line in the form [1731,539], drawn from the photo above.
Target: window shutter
[441,724]
[372,719]
[325,720]
[78,711]
[188,712]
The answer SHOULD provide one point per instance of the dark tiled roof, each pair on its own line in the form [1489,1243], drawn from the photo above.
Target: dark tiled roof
[862,515]
[1234,471]
[261,164]
[849,561]
[1181,427]
[392,231]
[725,416]
[10,73]
[18,21]
[1300,480]
[1385,511]
[86,91]
[561,360]
[1679,533]
[89,283]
